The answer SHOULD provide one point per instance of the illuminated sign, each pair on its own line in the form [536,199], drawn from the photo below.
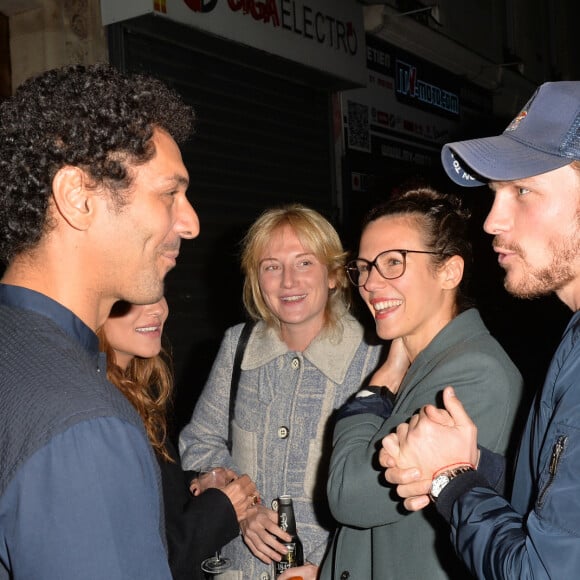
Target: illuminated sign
[327,35]
[410,85]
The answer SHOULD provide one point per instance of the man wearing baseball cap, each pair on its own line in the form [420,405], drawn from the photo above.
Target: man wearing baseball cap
[533,168]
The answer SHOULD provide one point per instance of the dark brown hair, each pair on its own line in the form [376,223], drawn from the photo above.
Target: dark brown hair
[443,223]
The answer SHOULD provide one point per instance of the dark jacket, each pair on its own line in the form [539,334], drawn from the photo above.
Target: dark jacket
[196,526]
[377,540]
[537,535]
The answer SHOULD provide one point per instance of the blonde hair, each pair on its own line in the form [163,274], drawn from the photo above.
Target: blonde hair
[318,236]
[148,385]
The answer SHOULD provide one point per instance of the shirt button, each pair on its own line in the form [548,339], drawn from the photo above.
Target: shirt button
[295,363]
[264,576]
[283,432]
[345,575]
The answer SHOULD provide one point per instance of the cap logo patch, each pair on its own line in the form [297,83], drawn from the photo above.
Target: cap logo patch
[515,123]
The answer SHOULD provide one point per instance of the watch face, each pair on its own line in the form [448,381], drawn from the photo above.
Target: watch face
[438,484]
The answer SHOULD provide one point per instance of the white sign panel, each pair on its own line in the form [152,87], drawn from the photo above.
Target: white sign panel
[400,114]
[327,35]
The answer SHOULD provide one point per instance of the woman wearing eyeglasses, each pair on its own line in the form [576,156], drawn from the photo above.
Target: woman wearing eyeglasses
[411,272]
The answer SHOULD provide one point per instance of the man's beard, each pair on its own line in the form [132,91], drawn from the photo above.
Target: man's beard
[536,282]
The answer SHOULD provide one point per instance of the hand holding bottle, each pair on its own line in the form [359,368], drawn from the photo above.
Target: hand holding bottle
[294,556]
[263,536]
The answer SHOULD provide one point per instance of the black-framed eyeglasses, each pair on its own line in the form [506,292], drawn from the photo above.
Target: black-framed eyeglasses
[390,264]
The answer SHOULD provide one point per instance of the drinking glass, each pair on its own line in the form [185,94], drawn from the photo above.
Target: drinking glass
[213,477]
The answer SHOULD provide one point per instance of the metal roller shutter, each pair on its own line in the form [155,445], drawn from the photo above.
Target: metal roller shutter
[263,138]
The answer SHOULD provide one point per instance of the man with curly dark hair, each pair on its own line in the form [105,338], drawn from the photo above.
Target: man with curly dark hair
[93,208]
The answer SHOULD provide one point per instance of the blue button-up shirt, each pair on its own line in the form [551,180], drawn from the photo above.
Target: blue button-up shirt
[86,504]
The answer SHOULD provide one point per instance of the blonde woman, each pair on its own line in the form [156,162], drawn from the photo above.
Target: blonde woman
[305,357]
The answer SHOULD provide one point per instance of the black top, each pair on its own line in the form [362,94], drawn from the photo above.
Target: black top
[196,526]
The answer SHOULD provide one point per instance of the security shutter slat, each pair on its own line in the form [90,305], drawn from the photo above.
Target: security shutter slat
[263,138]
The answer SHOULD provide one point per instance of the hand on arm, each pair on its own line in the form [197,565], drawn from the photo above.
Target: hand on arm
[429,442]
[244,496]
[410,486]
[241,491]
[261,532]
[217,477]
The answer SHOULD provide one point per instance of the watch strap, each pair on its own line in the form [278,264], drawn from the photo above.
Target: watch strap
[444,477]
[457,488]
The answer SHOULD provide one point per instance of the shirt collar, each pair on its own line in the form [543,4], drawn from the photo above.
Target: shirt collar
[26,299]
[330,352]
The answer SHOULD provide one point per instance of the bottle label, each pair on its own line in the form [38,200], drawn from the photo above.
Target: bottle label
[288,561]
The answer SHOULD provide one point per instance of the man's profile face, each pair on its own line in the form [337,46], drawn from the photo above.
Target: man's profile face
[536,227]
[141,240]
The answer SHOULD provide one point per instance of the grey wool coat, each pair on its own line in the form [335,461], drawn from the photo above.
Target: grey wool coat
[378,539]
[281,431]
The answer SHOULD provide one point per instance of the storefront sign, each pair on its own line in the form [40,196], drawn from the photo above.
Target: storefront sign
[324,34]
[411,86]
[408,109]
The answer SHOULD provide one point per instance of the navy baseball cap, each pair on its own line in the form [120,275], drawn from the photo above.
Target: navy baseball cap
[545,135]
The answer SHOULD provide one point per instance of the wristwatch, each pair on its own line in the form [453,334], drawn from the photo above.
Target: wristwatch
[442,479]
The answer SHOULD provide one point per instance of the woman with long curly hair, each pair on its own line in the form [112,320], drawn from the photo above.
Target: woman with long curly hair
[140,368]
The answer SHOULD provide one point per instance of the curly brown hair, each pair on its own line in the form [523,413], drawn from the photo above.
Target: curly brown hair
[148,385]
[90,117]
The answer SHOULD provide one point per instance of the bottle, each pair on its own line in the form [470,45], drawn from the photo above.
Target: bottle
[287,521]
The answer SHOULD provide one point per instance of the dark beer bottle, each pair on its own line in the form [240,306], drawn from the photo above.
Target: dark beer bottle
[287,521]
